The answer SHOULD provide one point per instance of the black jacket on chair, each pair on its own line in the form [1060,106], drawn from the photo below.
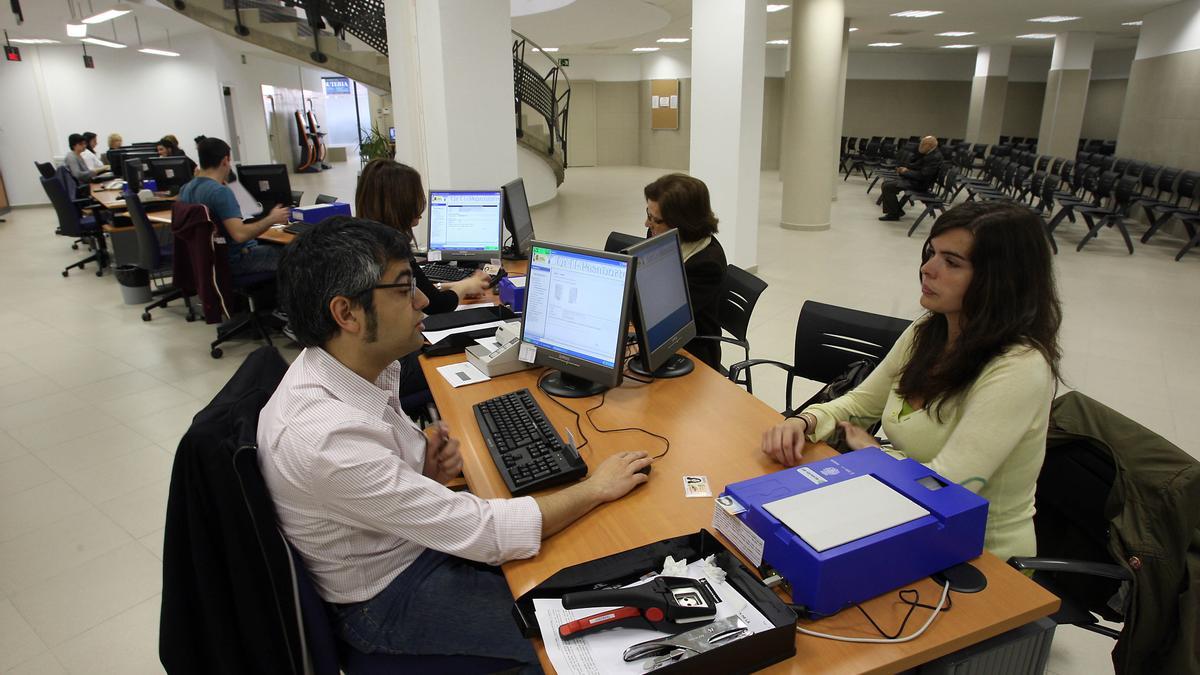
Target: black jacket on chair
[224,600]
[705,276]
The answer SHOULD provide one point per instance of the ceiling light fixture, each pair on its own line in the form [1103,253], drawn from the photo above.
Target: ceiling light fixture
[548,50]
[645,49]
[102,42]
[34,41]
[1055,19]
[885,44]
[1132,23]
[956,33]
[673,40]
[121,9]
[957,46]
[777,42]
[918,13]
[147,50]
[74,28]
[852,29]
[777,8]
[1037,36]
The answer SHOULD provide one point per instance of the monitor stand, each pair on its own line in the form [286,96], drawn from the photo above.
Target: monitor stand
[676,366]
[511,253]
[562,385]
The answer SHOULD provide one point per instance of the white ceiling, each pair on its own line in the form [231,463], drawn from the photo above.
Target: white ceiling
[993,21]
[48,19]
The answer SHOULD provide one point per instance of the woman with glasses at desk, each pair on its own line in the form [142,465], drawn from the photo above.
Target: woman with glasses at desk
[966,390]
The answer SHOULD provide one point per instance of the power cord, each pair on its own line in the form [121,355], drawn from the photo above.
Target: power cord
[603,398]
[943,605]
[578,426]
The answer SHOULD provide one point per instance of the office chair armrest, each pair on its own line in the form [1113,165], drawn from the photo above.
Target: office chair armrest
[737,368]
[1095,569]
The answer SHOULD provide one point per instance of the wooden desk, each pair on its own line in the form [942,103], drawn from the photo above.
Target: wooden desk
[108,198]
[715,429]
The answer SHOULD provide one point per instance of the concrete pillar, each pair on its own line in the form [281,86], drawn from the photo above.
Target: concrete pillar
[1066,94]
[818,27]
[452,90]
[728,67]
[988,90]
[841,100]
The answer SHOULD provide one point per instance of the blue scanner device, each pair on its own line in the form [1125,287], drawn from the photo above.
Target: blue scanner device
[826,581]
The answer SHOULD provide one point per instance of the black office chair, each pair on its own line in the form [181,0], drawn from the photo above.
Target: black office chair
[619,241]
[156,258]
[45,168]
[739,294]
[828,339]
[1118,534]
[325,199]
[72,223]
[297,195]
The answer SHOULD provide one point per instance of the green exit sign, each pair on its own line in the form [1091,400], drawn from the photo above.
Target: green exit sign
[564,62]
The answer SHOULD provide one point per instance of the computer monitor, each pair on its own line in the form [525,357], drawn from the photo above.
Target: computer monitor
[662,311]
[136,168]
[576,301]
[117,157]
[465,224]
[269,184]
[517,219]
[169,173]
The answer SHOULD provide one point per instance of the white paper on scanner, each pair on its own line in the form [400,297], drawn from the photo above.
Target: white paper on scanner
[839,513]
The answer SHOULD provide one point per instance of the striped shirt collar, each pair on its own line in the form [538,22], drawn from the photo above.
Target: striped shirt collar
[348,386]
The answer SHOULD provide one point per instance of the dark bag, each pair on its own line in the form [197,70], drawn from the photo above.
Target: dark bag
[853,376]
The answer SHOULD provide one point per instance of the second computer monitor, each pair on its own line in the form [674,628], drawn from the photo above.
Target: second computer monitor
[465,224]
[517,219]
[576,301]
[136,168]
[269,184]
[662,315]
[170,173]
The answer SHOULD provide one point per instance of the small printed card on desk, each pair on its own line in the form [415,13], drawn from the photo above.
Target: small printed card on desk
[696,486]
[462,374]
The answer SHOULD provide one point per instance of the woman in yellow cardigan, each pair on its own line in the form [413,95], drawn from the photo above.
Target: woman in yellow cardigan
[966,390]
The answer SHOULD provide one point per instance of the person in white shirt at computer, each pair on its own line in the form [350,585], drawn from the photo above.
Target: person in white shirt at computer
[406,564]
[90,157]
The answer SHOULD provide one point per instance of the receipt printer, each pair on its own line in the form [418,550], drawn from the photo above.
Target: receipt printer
[852,527]
[512,292]
[315,213]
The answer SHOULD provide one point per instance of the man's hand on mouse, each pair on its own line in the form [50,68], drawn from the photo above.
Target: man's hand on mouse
[617,475]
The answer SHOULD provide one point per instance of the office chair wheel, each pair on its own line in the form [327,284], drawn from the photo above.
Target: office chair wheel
[145,316]
[74,247]
[216,353]
[64,273]
[100,272]
[190,317]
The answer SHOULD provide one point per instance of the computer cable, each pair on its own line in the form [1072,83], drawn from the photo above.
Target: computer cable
[578,426]
[603,397]
[942,606]
[630,374]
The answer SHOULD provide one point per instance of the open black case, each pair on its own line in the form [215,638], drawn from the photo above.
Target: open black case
[745,655]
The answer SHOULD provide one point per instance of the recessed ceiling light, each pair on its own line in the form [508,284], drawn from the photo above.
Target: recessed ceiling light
[1054,19]
[77,30]
[34,41]
[776,8]
[158,52]
[1132,23]
[918,13]
[103,43]
[1037,36]
[852,29]
[121,9]
[956,33]
[777,42]
[673,40]
[645,49]
[545,49]
[885,44]
[957,46]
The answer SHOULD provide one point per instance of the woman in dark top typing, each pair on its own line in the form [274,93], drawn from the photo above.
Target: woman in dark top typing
[391,193]
[678,201]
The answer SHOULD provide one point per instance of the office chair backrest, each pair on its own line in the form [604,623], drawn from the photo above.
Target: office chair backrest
[1134,168]
[1120,165]
[829,338]
[325,199]
[68,216]
[1166,180]
[297,195]
[1149,173]
[1189,182]
[1056,165]
[149,249]
[1105,182]
[45,168]
[739,294]
[619,241]
[1124,190]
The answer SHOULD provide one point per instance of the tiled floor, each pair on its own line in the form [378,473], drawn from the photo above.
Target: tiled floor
[93,400]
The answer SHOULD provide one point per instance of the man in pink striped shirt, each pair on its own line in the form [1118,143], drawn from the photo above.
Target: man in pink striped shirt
[406,564]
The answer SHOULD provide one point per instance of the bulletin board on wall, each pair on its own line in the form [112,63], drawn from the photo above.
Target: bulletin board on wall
[664,104]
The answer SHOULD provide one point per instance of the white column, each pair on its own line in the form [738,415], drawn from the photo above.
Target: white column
[452,90]
[988,91]
[1066,94]
[841,100]
[817,36]
[728,67]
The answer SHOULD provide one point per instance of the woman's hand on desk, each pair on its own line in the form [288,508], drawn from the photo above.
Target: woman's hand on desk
[785,441]
[443,461]
[474,286]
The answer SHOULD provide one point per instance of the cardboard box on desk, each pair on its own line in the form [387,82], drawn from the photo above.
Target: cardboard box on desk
[315,213]
[743,655]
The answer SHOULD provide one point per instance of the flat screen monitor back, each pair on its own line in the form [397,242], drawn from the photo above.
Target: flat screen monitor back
[577,301]
[170,173]
[269,184]
[136,167]
[662,311]
[517,219]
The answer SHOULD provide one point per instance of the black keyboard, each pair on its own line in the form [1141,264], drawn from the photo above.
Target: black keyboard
[525,448]
[444,272]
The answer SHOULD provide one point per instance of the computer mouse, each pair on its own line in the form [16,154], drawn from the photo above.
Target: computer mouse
[645,469]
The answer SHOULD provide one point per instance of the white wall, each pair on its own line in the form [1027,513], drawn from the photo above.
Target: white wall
[1170,30]
[602,68]
[24,134]
[884,64]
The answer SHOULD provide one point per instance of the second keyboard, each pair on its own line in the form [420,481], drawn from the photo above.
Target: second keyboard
[527,451]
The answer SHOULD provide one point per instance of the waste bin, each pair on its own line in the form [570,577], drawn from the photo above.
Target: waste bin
[135,284]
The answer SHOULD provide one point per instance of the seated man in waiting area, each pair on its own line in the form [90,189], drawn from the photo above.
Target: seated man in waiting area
[917,176]
[406,564]
[208,187]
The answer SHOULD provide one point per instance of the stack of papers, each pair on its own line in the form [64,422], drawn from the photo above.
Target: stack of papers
[839,513]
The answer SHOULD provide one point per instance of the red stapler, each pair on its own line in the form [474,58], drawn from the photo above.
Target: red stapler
[666,604]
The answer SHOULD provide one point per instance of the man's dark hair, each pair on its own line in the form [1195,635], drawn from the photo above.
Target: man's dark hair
[211,151]
[199,138]
[74,140]
[341,256]
[88,136]
[684,205]
[1012,300]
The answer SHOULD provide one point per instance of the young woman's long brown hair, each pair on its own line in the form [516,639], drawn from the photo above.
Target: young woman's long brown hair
[1012,300]
[391,193]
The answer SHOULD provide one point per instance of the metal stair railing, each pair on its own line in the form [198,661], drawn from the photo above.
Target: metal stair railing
[541,93]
